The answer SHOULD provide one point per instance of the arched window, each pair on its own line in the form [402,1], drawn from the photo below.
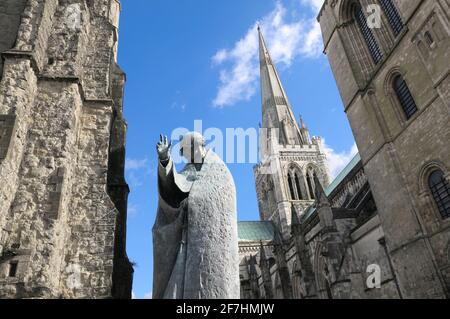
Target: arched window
[392,15]
[404,96]
[299,190]
[369,37]
[440,189]
[291,187]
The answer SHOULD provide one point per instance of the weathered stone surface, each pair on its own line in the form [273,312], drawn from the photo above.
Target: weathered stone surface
[195,234]
[10,17]
[62,195]
[399,153]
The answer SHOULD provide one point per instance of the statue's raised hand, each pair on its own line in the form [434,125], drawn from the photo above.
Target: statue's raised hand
[163,148]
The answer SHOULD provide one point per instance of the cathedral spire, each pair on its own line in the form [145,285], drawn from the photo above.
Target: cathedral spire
[276,109]
[304,131]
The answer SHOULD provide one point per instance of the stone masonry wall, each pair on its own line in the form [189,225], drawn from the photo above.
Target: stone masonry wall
[62,139]
[399,153]
[10,16]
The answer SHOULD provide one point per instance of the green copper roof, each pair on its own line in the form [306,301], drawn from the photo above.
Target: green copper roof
[255,230]
[343,174]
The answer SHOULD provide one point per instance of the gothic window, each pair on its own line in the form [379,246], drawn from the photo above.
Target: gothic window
[299,190]
[404,96]
[392,15]
[440,190]
[367,33]
[291,187]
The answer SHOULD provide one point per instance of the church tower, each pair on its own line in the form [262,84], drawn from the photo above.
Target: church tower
[289,158]
[394,82]
[63,195]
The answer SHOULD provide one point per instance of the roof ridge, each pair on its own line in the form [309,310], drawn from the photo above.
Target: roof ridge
[344,172]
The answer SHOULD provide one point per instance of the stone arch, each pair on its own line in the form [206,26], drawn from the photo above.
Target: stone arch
[312,170]
[425,172]
[345,11]
[354,42]
[311,166]
[389,78]
[425,193]
[295,181]
[389,90]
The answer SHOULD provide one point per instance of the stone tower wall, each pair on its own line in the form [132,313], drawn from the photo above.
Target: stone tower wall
[62,138]
[398,153]
[10,17]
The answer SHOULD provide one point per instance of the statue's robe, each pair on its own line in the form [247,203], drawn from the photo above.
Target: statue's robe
[195,245]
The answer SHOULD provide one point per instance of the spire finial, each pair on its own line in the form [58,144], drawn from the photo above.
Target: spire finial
[302,123]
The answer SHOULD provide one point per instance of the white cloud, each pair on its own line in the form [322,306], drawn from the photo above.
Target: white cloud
[337,161]
[315,5]
[135,164]
[312,46]
[135,180]
[148,295]
[220,56]
[132,210]
[137,170]
[286,41]
[181,106]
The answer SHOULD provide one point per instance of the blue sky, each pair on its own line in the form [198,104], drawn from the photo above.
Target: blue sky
[197,60]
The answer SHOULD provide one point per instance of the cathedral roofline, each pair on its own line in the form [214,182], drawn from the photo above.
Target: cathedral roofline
[256,230]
